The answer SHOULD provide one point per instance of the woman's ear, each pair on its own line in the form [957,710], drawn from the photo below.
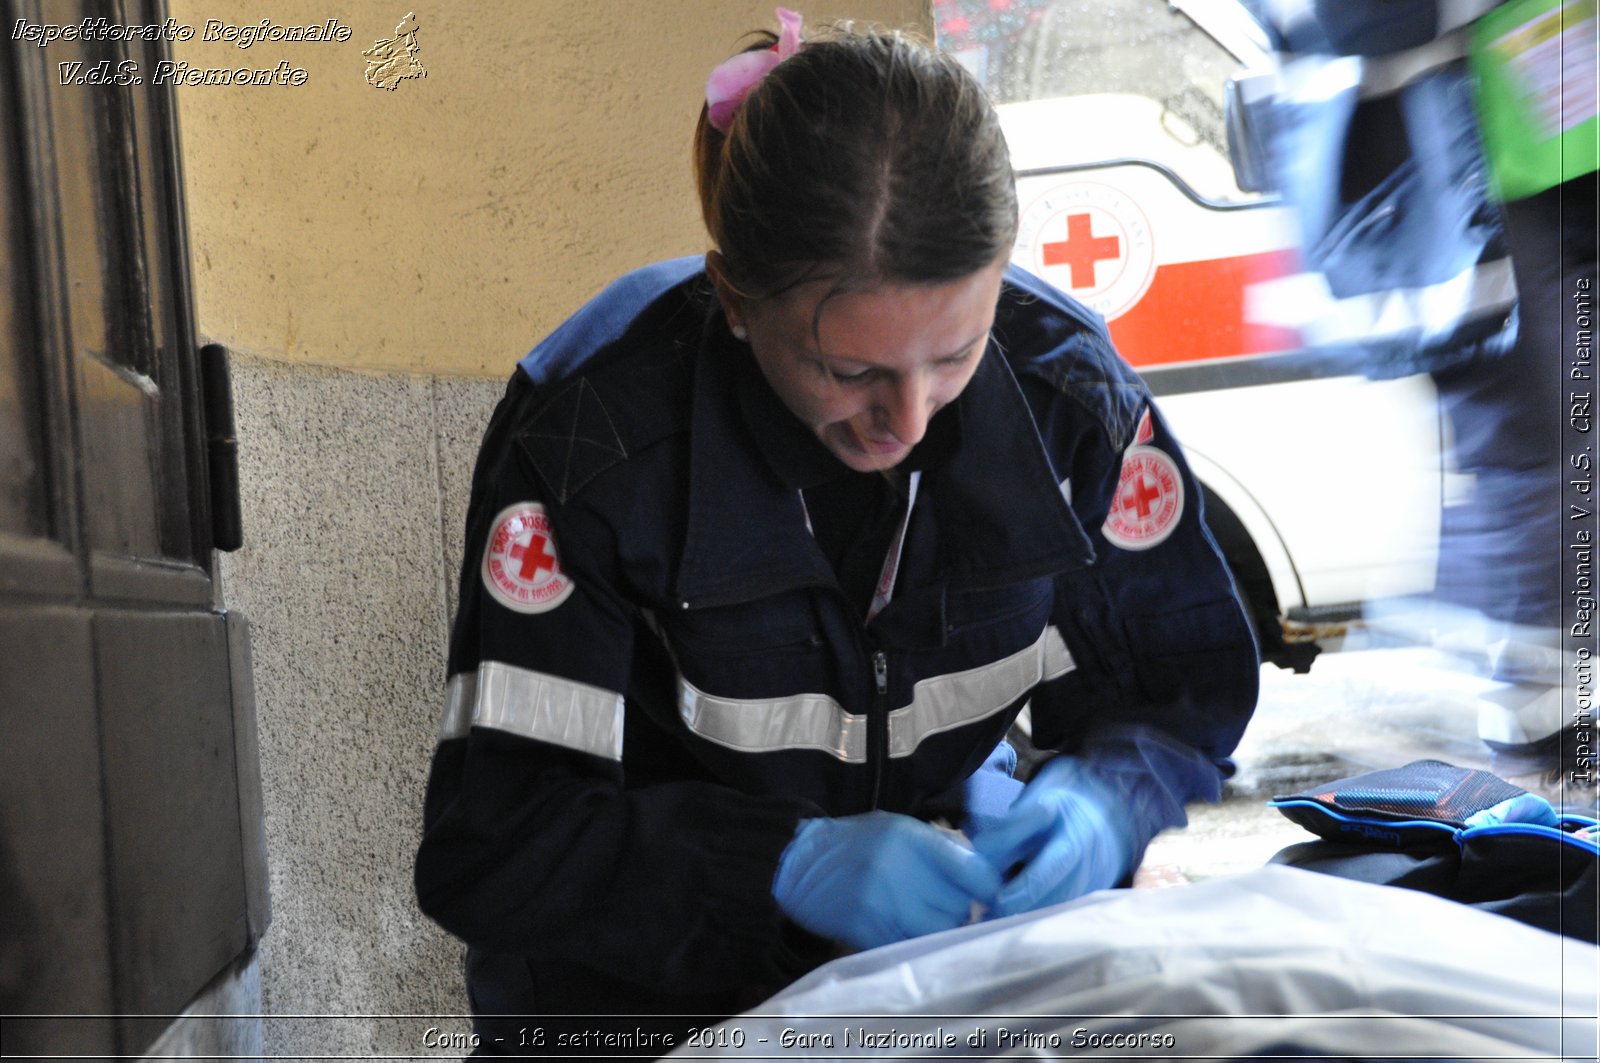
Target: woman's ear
[732,302]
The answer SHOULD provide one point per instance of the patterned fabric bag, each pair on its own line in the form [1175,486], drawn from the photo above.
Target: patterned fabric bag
[1408,827]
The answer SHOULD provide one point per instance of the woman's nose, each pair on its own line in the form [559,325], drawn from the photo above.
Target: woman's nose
[906,409]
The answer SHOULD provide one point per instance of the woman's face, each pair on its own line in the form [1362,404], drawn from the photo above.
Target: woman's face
[879,363]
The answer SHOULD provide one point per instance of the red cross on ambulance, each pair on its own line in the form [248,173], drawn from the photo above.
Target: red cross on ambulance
[1081,250]
[1092,241]
[1170,274]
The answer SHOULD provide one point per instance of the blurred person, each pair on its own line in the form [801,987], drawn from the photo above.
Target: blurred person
[1376,142]
[767,549]
[1536,63]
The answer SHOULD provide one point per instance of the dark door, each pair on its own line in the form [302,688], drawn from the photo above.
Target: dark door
[131,860]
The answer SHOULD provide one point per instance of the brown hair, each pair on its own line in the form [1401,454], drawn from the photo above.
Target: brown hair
[867,156]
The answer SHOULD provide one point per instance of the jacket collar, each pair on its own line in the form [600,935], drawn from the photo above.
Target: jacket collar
[998,505]
[746,535]
[794,452]
[788,447]
[998,502]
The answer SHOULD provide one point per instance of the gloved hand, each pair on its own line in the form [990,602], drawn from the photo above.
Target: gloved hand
[1524,808]
[879,877]
[989,792]
[1061,830]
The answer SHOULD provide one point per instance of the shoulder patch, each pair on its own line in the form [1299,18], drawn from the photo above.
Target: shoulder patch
[521,569]
[1149,498]
[571,439]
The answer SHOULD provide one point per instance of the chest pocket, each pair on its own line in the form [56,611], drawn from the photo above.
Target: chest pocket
[770,648]
[1021,605]
[776,625]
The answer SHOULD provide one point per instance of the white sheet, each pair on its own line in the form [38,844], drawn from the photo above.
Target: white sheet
[1276,961]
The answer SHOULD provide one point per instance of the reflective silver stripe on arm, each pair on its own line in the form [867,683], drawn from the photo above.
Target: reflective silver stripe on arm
[1384,75]
[458,699]
[946,702]
[818,722]
[1304,301]
[547,708]
[1453,14]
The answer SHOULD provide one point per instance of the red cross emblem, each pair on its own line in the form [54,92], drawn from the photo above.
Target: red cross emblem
[1087,238]
[1148,501]
[521,567]
[1081,250]
[1138,494]
[535,556]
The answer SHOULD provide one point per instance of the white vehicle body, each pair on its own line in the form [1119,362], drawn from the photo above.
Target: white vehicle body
[1336,480]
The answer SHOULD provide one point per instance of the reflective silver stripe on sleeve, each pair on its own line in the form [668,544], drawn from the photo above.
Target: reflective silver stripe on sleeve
[1304,301]
[458,699]
[1317,78]
[1383,75]
[946,702]
[818,722]
[1453,14]
[547,708]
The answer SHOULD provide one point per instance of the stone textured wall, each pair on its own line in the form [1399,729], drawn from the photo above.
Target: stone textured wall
[354,498]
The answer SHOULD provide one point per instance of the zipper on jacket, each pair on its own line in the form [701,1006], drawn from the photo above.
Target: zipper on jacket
[878,724]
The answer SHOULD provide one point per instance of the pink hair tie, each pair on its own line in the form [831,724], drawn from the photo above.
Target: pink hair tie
[733,78]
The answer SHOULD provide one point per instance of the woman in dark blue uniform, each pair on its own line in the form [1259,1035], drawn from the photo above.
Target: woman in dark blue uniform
[767,550]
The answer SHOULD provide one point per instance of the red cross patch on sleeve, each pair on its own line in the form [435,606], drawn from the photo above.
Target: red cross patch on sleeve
[521,568]
[1149,498]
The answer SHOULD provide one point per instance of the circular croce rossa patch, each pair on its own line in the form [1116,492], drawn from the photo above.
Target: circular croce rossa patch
[1149,500]
[521,568]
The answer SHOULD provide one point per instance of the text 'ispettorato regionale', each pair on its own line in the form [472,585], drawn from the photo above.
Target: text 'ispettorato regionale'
[170,72]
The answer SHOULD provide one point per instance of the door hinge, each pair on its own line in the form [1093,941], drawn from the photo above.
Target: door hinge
[222,447]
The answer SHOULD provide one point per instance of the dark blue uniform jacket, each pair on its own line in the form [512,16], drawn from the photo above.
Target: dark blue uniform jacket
[626,751]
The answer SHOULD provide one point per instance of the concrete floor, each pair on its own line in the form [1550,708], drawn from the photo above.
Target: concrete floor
[1357,710]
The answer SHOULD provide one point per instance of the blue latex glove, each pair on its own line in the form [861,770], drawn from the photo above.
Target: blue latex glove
[877,878]
[990,791]
[1062,830]
[1524,808]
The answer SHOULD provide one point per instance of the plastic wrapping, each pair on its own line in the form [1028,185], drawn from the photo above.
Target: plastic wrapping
[1278,961]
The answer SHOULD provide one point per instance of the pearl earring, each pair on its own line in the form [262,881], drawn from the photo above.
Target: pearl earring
[739,333]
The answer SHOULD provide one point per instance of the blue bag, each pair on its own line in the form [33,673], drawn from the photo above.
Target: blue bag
[1407,827]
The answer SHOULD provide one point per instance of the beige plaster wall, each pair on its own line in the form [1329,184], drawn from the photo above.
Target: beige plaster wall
[445,225]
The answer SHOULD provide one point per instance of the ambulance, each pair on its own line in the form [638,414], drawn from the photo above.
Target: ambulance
[1322,488]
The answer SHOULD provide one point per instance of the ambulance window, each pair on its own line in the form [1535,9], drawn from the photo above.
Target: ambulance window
[1043,49]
